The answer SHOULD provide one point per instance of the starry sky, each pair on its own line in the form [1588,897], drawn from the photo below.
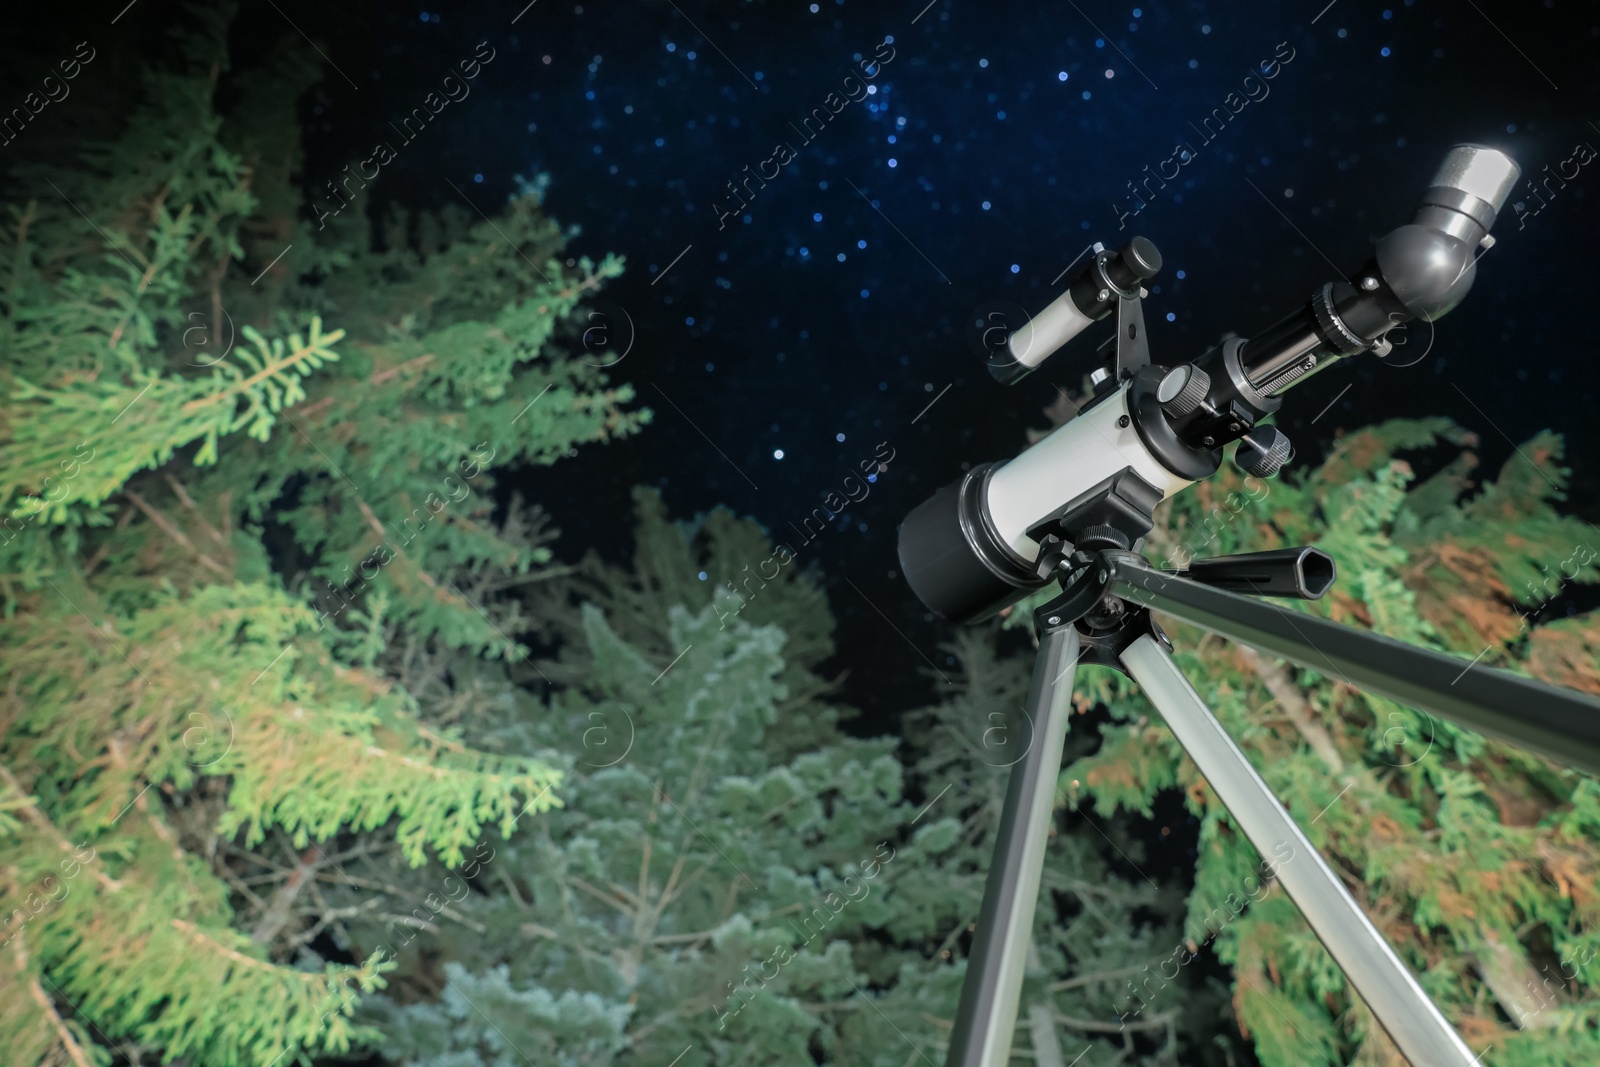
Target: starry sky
[785,334]
[783,341]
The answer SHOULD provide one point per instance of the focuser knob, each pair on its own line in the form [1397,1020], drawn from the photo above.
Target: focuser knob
[1183,390]
[1263,452]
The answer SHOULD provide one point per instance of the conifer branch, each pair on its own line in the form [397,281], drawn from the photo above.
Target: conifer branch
[1294,705]
[511,888]
[684,939]
[183,496]
[379,377]
[1094,976]
[280,906]
[206,941]
[411,921]
[166,526]
[329,916]
[317,344]
[1160,1020]
[153,267]
[615,898]
[30,811]
[92,564]
[383,537]
[241,885]
[35,990]
[589,954]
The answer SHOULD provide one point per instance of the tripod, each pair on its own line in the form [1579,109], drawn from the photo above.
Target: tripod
[1102,617]
[1150,431]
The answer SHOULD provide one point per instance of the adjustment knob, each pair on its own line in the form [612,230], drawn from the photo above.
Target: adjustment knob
[1264,452]
[1182,390]
[1092,538]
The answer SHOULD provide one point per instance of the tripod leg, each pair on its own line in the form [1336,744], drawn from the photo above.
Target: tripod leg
[1412,1020]
[987,1015]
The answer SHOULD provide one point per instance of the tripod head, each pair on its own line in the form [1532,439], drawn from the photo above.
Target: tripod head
[968,551]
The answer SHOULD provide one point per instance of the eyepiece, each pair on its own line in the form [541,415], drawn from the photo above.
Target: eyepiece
[1419,270]
[1485,173]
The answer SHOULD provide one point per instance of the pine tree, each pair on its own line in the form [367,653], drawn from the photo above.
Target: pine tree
[706,887]
[190,447]
[732,878]
[1475,859]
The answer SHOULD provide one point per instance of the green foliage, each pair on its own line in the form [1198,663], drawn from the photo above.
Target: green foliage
[484,1018]
[726,889]
[710,879]
[209,405]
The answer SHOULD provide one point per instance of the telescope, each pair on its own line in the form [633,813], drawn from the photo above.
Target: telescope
[1074,509]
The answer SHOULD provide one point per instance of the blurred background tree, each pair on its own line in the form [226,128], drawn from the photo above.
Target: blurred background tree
[229,526]
[733,878]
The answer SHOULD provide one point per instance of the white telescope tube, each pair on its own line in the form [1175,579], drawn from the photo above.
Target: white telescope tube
[1075,458]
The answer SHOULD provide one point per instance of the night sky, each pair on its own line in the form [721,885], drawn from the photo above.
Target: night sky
[782,341]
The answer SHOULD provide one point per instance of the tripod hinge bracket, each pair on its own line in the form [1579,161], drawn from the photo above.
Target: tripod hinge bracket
[1106,623]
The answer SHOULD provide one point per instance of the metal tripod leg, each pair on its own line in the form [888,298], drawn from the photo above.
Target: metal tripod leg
[987,1015]
[1415,1024]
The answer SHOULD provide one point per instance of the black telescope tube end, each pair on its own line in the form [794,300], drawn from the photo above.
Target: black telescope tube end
[952,558]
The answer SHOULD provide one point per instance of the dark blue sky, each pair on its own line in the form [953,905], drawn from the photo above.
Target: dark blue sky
[1000,140]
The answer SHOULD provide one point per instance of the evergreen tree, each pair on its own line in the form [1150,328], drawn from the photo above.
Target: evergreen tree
[733,879]
[709,887]
[177,701]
